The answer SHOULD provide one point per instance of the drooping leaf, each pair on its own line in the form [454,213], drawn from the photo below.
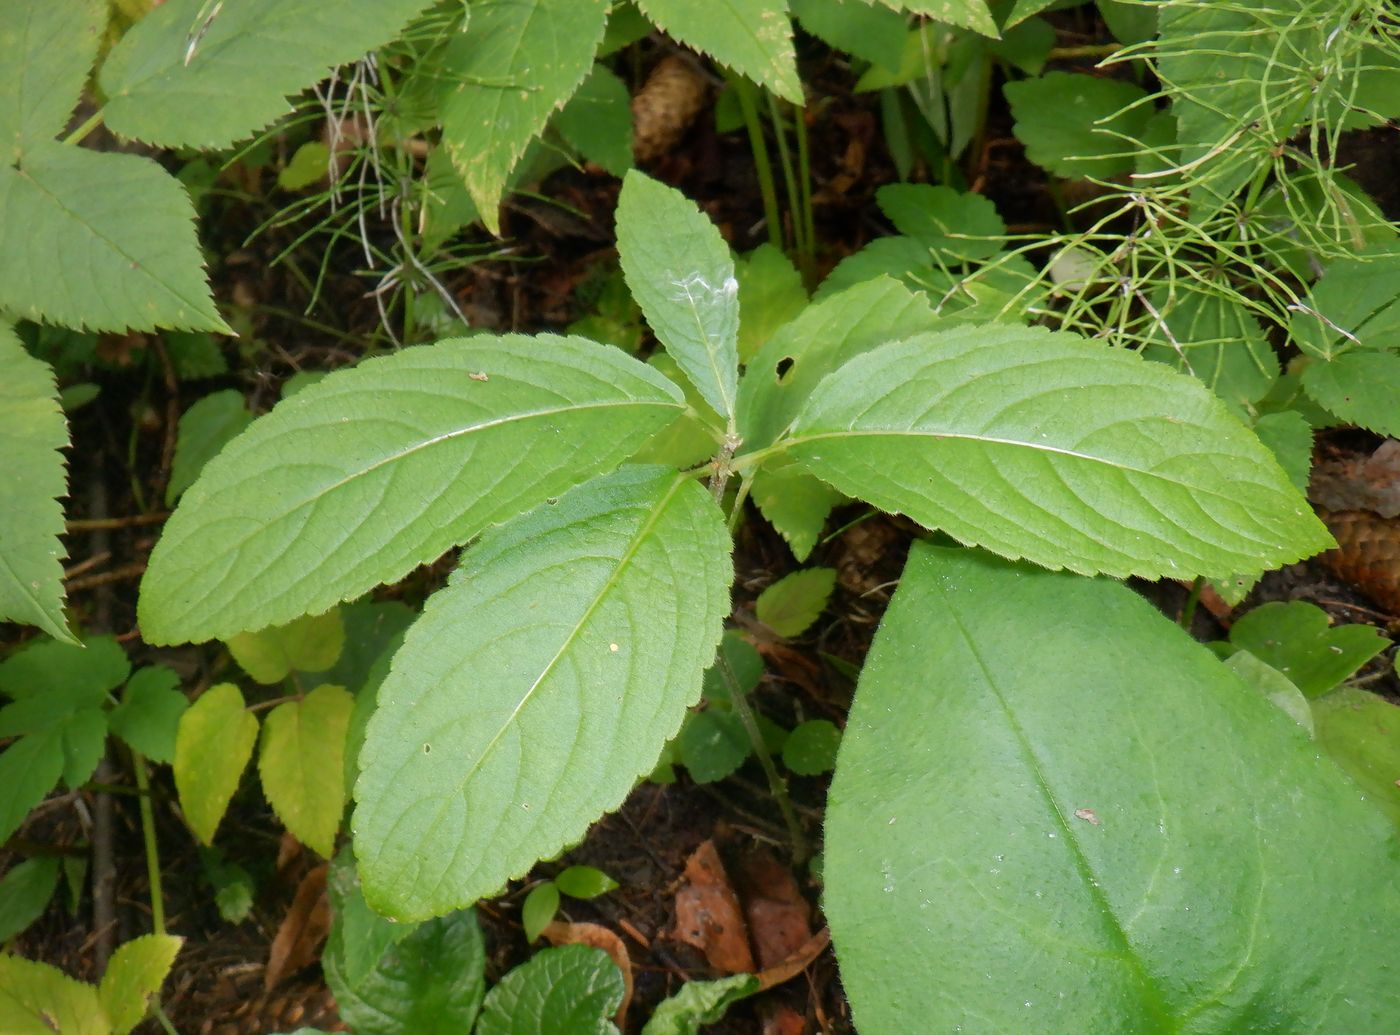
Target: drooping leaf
[308,165]
[698,1003]
[538,686]
[516,65]
[970,14]
[770,294]
[205,428]
[1358,729]
[29,769]
[1362,388]
[571,990]
[1006,811]
[37,999]
[32,431]
[214,743]
[311,643]
[148,717]
[25,892]
[1298,639]
[752,37]
[1074,125]
[134,974]
[597,121]
[539,908]
[1047,447]
[713,745]
[679,270]
[46,51]
[191,74]
[430,982]
[584,882]
[790,605]
[810,748]
[302,764]
[960,227]
[360,477]
[117,224]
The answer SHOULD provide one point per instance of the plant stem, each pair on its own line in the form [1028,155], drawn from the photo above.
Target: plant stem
[744,90]
[776,785]
[1188,610]
[1089,50]
[799,228]
[148,835]
[88,125]
[807,262]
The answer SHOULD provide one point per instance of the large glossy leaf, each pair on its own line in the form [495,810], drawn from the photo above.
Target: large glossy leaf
[566,991]
[679,271]
[1047,447]
[537,687]
[32,431]
[753,37]
[302,764]
[355,480]
[101,241]
[1065,816]
[192,74]
[46,51]
[515,66]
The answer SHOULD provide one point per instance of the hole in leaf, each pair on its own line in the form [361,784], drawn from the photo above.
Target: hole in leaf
[783,368]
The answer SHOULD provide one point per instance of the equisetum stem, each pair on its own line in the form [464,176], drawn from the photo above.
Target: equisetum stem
[776,785]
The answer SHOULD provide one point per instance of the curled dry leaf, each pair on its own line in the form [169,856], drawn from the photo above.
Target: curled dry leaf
[779,918]
[784,1021]
[771,977]
[560,932]
[302,931]
[708,916]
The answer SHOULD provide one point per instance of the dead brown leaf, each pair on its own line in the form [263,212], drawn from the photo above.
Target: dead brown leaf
[784,1021]
[795,964]
[708,915]
[779,918]
[302,931]
[560,932]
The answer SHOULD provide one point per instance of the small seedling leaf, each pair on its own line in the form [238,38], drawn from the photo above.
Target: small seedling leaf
[539,908]
[135,973]
[205,428]
[698,1003]
[810,748]
[571,990]
[535,689]
[212,747]
[744,661]
[713,745]
[1296,638]
[585,882]
[302,764]
[790,605]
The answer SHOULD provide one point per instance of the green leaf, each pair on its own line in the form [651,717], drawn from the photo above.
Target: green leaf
[752,37]
[713,745]
[233,885]
[37,999]
[597,121]
[311,643]
[29,769]
[790,605]
[46,52]
[84,738]
[32,431]
[308,165]
[1361,388]
[1026,45]
[302,764]
[1048,447]
[566,991]
[744,661]
[195,356]
[1289,437]
[371,628]
[191,74]
[24,894]
[970,14]
[539,908]
[212,748]
[205,428]
[359,478]
[828,333]
[1357,728]
[795,503]
[810,748]
[875,34]
[1007,811]
[114,222]
[80,673]
[538,686]
[136,971]
[962,228]
[1274,685]
[516,65]
[699,1002]
[902,259]
[584,882]
[1074,125]
[148,717]
[770,294]
[1297,639]
[359,937]
[679,270]
[430,983]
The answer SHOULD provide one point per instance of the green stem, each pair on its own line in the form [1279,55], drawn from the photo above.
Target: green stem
[799,229]
[744,90]
[807,261]
[1188,610]
[88,125]
[735,511]
[800,850]
[1090,50]
[148,835]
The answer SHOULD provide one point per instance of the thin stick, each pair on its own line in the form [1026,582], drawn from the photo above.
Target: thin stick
[102,524]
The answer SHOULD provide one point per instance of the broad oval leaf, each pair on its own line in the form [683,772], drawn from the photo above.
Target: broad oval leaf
[571,990]
[753,37]
[117,224]
[195,74]
[516,64]
[1046,447]
[1361,388]
[355,480]
[1068,817]
[302,764]
[213,745]
[537,687]
[32,431]
[46,52]
[680,272]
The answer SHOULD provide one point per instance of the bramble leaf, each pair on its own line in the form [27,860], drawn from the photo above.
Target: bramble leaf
[1007,811]
[1048,447]
[358,478]
[1361,388]
[148,717]
[114,223]
[537,687]
[135,973]
[215,741]
[32,431]
[679,271]
[752,37]
[1075,125]
[302,764]
[516,65]
[191,75]
[970,14]
[46,52]
[37,999]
